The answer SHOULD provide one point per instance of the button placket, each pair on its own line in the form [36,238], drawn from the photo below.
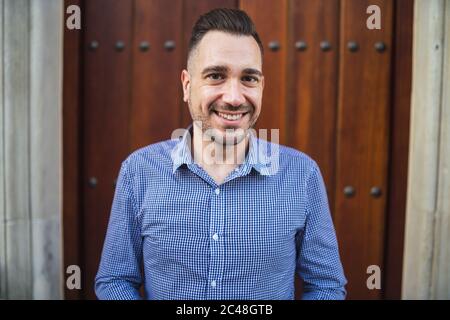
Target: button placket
[216,248]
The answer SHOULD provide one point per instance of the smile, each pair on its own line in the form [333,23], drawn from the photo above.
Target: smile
[231,117]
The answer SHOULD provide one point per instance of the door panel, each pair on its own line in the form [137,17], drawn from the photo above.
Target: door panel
[399,143]
[363,143]
[313,82]
[312,85]
[156,92]
[105,120]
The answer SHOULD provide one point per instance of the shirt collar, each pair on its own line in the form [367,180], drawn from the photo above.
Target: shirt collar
[257,156]
[181,153]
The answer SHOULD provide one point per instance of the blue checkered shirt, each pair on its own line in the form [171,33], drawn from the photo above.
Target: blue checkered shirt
[173,229]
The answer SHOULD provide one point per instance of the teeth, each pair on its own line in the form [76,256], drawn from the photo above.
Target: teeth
[230,117]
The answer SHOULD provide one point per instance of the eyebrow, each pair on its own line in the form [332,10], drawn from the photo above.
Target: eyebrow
[219,69]
[252,71]
[224,69]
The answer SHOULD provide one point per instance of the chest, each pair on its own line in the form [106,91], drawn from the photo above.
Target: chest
[250,220]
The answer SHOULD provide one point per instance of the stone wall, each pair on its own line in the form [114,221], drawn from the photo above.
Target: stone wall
[426,269]
[30,149]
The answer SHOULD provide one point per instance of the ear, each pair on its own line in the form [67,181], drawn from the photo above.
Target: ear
[185,82]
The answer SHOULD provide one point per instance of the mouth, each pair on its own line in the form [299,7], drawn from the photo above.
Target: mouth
[230,118]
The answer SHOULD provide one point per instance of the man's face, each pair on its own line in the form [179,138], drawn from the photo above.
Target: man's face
[224,84]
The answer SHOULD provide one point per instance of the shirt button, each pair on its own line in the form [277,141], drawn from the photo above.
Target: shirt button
[213,283]
[217,191]
[215,236]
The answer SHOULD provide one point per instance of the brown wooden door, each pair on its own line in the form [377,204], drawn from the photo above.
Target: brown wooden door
[106,118]
[327,100]
[362,143]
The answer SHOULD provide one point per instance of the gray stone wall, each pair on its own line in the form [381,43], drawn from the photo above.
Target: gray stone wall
[30,149]
[426,272]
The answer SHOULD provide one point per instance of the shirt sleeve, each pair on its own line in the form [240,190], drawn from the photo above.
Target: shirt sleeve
[119,275]
[318,261]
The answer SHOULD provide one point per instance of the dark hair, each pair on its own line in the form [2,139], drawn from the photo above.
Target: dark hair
[231,21]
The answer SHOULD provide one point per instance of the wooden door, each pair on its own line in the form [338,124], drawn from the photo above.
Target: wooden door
[329,90]
[362,144]
[106,117]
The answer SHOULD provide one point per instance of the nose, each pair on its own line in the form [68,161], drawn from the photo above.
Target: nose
[233,94]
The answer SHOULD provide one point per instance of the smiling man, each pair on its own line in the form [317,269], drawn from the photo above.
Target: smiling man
[219,213]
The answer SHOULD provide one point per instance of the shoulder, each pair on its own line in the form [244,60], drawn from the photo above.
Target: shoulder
[289,158]
[297,157]
[156,155]
[147,166]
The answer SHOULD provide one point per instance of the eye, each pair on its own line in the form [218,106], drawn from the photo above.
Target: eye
[250,79]
[215,76]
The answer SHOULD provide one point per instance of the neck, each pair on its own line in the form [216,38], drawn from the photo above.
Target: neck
[215,154]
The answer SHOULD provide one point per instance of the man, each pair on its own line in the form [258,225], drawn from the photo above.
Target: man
[216,216]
